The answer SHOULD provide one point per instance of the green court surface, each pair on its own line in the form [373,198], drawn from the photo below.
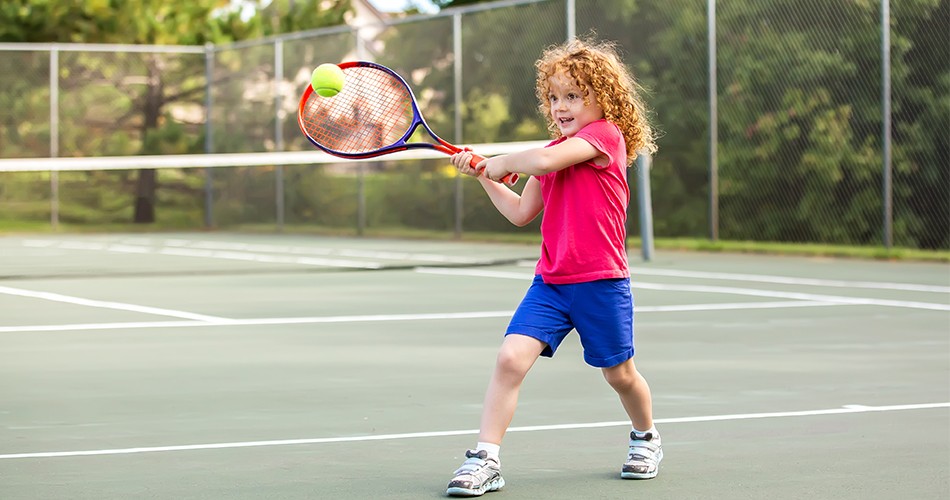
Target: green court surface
[227,366]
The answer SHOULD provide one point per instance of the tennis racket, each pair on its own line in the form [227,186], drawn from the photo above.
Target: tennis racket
[374,114]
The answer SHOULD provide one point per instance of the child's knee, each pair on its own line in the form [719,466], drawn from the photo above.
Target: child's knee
[509,361]
[622,375]
[517,354]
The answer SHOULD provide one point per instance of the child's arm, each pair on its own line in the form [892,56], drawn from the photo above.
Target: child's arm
[519,210]
[540,161]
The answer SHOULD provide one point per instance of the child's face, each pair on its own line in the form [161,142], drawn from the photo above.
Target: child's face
[567,105]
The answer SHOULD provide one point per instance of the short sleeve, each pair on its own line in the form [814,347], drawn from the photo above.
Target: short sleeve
[606,137]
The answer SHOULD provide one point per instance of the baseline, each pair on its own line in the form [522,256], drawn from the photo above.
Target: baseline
[846,409]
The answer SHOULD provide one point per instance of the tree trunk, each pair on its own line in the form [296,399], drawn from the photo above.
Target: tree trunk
[145,197]
[146,185]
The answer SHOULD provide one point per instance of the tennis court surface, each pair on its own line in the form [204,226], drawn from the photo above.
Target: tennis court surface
[233,366]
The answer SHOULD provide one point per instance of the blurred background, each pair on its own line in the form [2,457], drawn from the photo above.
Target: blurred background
[781,121]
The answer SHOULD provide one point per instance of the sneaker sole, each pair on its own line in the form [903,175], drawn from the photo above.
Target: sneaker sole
[649,475]
[634,475]
[465,492]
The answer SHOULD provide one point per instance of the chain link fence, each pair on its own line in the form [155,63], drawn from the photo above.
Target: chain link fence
[805,121]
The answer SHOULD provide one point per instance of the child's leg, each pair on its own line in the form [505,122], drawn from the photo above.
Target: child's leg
[634,393]
[481,471]
[516,356]
[645,451]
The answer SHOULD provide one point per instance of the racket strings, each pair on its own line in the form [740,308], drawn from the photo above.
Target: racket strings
[374,110]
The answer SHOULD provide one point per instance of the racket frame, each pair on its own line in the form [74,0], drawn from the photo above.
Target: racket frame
[402,144]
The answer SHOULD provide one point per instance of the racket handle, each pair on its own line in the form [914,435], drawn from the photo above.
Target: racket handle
[511,179]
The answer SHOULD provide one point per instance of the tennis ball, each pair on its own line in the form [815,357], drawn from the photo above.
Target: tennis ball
[327,80]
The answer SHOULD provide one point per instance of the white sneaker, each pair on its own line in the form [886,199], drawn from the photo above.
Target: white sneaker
[643,458]
[478,475]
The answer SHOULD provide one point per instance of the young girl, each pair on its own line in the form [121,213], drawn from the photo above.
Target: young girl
[581,281]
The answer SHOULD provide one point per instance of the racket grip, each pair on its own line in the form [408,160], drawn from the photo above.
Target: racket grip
[511,179]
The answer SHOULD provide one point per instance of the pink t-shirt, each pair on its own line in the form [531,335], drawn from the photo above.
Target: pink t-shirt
[583,229]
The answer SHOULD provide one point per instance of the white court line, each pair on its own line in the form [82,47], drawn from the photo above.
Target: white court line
[483,273]
[785,280]
[848,409]
[254,321]
[735,306]
[55,297]
[268,259]
[799,300]
[370,254]
[203,253]
[711,289]
[129,325]
[793,295]
[381,317]
[254,252]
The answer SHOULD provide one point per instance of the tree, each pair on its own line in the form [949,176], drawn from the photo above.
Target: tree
[921,114]
[140,95]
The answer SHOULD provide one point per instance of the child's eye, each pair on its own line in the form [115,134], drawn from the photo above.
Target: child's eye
[571,96]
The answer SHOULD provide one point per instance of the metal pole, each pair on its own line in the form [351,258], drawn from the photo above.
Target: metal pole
[886,122]
[713,125]
[361,180]
[571,14]
[645,201]
[457,79]
[54,134]
[279,128]
[209,131]
[361,200]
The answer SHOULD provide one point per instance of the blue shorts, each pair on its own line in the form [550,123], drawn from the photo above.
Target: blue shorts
[601,311]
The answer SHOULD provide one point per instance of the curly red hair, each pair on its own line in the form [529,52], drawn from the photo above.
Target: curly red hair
[595,67]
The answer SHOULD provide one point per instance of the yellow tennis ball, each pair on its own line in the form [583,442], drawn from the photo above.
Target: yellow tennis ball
[327,80]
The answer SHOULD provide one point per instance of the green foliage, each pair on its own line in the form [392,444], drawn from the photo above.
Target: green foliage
[316,196]
[800,118]
[498,82]
[288,16]
[127,104]
[799,144]
[113,21]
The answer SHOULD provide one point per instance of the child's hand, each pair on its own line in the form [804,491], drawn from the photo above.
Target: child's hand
[494,168]
[463,163]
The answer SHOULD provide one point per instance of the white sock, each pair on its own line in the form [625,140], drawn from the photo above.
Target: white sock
[651,429]
[492,449]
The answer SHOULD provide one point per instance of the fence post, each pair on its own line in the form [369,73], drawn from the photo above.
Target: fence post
[361,177]
[457,89]
[645,204]
[279,129]
[713,124]
[209,131]
[361,199]
[571,16]
[54,134]
[888,189]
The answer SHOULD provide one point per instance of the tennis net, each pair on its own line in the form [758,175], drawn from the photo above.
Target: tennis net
[411,193]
